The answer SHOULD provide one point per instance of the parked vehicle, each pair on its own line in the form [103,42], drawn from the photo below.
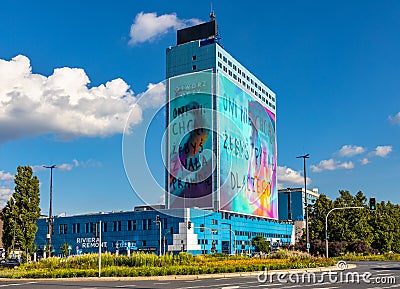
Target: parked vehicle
[9,263]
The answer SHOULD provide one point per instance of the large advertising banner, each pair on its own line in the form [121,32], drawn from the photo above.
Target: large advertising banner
[190,141]
[247,146]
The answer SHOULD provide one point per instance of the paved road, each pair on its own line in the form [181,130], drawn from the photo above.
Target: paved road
[372,275]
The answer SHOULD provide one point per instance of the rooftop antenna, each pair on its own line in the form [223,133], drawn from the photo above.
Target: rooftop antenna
[212,14]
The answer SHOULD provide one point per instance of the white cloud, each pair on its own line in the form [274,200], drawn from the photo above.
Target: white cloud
[65,167]
[364,161]
[395,119]
[5,187]
[63,104]
[351,150]
[149,26]
[382,151]
[69,166]
[4,176]
[5,195]
[288,177]
[331,165]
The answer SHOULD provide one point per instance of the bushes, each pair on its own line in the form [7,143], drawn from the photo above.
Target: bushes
[142,264]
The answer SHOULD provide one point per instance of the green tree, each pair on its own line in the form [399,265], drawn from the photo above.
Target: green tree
[64,250]
[261,244]
[22,211]
[317,215]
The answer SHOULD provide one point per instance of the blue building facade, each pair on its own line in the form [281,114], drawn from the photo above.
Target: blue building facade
[292,203]
[190,230]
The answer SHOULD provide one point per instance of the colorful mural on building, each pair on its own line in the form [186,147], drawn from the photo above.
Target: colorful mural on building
[247,149]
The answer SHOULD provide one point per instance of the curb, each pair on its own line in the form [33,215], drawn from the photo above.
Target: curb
[184,277]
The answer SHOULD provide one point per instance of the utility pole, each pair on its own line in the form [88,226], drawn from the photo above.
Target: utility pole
[100,243]
[158,221]
[304,157]
[51,207]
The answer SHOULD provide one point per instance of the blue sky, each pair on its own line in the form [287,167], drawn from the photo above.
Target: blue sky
[70,72]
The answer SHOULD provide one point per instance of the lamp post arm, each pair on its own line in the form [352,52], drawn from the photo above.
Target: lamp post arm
[326,224]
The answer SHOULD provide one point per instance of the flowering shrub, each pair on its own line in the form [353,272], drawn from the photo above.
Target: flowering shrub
[141,264]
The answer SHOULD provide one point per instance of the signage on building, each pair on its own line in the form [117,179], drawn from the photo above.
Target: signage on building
[86,243]
[149,249]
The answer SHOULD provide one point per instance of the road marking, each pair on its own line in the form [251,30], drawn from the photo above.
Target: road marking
[161,283]
[230,287]
[219,279]
[125,286]
[197,280]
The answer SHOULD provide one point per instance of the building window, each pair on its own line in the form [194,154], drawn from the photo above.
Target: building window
[194,57]
[234,76]
[171,230]
[76,228]
[144,224]
[63,229]
[239,71]
[219,64]
[149,221]
[234,67]
[194,67]
[229,63]
[117,226]
[144,243]
[105,229]
[230,73]
[224,59]
[132,225]
[165,223]
[226,70]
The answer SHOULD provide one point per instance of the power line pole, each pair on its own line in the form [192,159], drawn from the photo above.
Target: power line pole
[304,157]
[51,207]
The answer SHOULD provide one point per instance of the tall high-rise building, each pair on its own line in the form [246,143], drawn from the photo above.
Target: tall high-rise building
[221,129]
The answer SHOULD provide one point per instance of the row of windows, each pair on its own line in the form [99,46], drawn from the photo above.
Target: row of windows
[265,235]
[132,225]
[238,73]
[250,88]
[205,242]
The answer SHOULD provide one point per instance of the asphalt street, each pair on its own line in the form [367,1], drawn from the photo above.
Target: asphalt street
[366,275]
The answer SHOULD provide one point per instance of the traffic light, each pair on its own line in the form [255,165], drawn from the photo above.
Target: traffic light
[189,225]
[372,204]
[158,219]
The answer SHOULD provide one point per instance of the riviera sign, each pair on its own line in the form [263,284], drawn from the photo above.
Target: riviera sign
[90,242]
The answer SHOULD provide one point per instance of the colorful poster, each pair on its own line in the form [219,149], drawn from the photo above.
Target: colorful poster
[190,141]
[247,146]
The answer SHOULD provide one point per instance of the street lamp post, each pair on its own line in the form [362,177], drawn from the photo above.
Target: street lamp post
[304,157]
[51,206]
